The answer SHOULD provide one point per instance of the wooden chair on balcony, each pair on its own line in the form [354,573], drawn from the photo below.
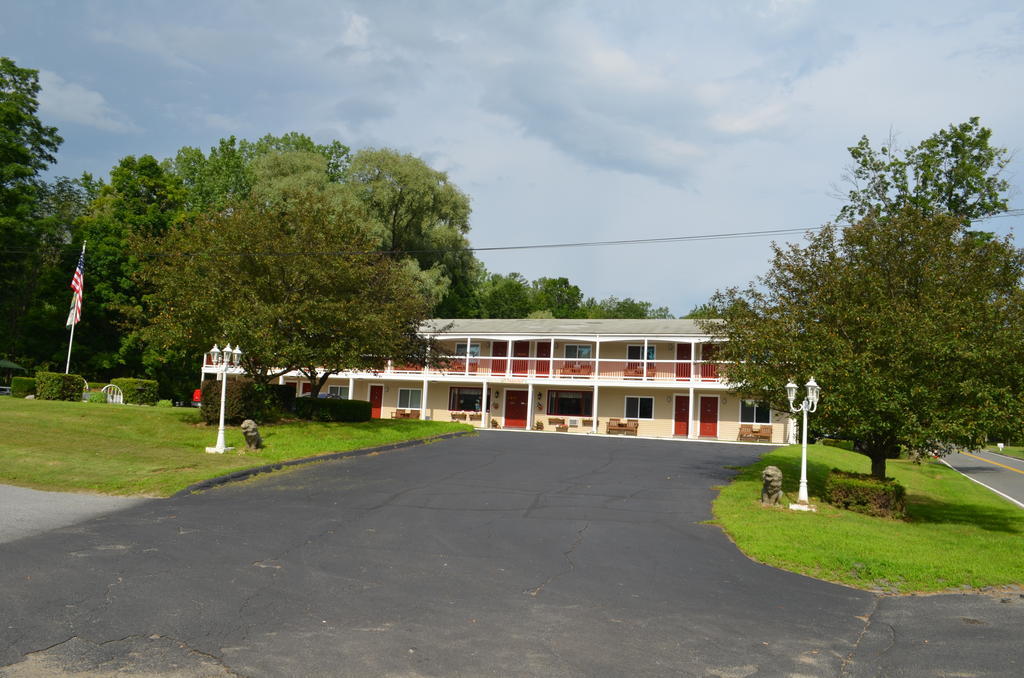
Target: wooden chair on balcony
[636,371]
[576,370]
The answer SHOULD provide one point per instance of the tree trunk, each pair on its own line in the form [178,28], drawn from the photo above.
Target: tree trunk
[878,464]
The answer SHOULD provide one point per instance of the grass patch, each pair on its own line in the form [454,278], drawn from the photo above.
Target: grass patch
[132,450]
[957,534]
[1017,452]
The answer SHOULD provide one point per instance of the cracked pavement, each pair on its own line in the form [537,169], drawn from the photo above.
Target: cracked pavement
[498,554]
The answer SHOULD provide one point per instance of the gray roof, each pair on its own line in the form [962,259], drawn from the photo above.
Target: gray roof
[543,327]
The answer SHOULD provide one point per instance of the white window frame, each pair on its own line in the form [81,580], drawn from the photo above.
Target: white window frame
[652,351]
[419,397]
[474,349]
[577,347]
[757,406]
[625,407]
[338,390]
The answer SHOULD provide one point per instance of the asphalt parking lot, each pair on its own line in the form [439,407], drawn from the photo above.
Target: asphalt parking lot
[499,554]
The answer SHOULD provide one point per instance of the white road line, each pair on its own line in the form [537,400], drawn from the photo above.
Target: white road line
[988,487]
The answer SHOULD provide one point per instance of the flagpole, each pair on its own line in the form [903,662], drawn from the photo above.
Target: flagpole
[67,367]
[74,301]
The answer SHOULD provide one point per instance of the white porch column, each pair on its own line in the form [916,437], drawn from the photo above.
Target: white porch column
[594,409]
[529,405]
[485,408]
[645,359]
[351,388]
[423,401]
[597,359]
[551,360]
[691,428]
[469,349]
[693,365]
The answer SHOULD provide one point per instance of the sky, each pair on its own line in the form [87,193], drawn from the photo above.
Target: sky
[563,121]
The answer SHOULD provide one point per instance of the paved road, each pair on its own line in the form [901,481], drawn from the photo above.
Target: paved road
[997,471]
[495,555]
[25,512]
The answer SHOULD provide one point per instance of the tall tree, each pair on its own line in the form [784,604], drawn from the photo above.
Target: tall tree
[141,201]
[956,171]
[557,295]
[912,326]
[423,214]
[255,276]
[27,148]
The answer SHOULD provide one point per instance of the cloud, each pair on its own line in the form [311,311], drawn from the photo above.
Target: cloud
[69,102]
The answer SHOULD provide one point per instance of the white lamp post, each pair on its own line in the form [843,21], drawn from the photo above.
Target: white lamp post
[223,359]
[810,404]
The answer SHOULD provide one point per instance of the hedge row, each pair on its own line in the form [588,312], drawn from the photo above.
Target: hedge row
[57,386]
[23,386]
[864,493]
[332,409]
[137,391]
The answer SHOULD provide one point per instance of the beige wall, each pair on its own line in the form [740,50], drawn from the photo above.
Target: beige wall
[611,404]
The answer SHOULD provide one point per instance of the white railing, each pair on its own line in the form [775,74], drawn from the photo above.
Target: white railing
[604,369]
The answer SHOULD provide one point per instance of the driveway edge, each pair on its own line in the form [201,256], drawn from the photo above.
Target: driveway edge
[277,466]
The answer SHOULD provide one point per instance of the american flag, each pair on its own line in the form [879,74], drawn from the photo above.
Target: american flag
[77,283]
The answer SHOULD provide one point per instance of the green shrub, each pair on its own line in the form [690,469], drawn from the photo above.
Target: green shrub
[281,397]
[864,493]
[97,386]
[332,409]
[23,386]
[56,386]
[164,403]
[137,391]
[240,402]
[97,397]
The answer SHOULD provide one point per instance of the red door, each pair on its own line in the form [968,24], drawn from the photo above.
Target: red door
[708,417]
[521,350]
[542,368]
[376,400]
[499,349]
[307,388]
[516,409]
[682,415]
[683,352]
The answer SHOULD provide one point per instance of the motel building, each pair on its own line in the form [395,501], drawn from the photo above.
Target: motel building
[650,378]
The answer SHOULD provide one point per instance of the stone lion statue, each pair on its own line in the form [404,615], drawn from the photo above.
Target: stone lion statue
[771,490]
[253,439]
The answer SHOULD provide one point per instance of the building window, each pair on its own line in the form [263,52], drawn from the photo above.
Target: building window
[409,398]
[338,392]
[474,349]
[636,352]
[753,412]
[465,399]
[571,403]
[578,352]
[639,407]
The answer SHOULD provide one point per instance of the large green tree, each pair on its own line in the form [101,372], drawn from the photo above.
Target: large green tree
[256,276]
[29,244]
[912,324]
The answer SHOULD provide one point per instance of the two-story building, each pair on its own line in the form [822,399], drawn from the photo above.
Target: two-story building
[656,378]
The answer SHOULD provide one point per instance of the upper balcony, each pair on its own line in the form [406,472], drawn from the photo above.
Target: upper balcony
[577,369]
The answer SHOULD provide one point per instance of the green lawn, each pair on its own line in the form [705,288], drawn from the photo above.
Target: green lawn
[957,534]
[156,451]
[1017,452]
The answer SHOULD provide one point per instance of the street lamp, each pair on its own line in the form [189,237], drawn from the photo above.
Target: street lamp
[810,404]
[223,359]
